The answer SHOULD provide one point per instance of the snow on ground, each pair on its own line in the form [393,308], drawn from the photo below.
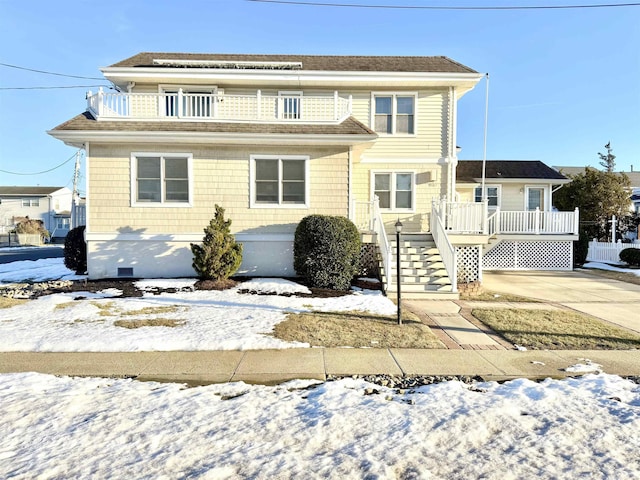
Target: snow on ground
[208,320]
[605,266]
[36,271]
[99,428]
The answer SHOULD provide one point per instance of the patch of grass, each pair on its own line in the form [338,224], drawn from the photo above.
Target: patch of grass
[6,302]
[151,310]
[107,309]
[62,306]
[355,329]
[610,274]
[149,322]
[556,330]
[487,296]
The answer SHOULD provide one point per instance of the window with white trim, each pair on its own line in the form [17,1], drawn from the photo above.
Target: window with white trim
[394,190]
[62,223]
[394,113]
[30,202]
[290,105]
[279,181]
[161,179]
[493,195]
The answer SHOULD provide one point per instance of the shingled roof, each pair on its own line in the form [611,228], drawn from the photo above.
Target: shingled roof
[337,63]
[469,171]
[86,122]
[28,191]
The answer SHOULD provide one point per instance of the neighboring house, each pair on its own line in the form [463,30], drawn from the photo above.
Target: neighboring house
[52,205]
[529,232]
[272,139]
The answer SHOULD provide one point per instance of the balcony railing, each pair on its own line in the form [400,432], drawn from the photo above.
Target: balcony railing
[474,218]
[182,105]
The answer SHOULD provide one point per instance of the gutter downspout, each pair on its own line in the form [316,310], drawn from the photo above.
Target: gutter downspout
[350,212]
[453,154]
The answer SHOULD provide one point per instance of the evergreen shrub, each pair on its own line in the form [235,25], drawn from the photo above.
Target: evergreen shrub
[75,250]
[326,251]
[631,256]
[220,255]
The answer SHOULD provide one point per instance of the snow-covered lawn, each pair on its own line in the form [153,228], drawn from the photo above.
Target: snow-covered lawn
[207,320]
[97,428]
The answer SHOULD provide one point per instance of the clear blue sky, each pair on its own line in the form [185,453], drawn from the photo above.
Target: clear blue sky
[563,83]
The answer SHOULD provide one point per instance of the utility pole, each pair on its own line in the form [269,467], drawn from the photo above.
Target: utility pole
[75,197]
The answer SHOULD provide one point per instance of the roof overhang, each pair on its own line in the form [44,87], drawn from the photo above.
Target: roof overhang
[503,181]
[78,138]
[122,76]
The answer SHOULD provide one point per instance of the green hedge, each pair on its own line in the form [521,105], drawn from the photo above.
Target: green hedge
[326,251]
[631,256]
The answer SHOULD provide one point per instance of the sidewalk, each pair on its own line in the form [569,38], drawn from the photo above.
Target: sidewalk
[275,366]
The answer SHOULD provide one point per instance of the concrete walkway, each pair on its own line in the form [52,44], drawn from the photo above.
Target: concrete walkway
[275,366]
[610,300]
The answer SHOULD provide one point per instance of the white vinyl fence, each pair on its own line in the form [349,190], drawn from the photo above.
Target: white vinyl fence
[607,252]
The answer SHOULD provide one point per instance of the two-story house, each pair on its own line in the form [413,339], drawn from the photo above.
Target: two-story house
[51,205]
[272,139]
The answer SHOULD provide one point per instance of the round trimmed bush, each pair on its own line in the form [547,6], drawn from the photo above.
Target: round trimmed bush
[326,251]
[631,256]
[75,250]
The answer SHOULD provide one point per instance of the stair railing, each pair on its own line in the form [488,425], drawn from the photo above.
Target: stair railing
[445,248]
[382,240]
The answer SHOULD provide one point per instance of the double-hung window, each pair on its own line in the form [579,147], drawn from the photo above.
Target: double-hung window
[394,113]
[161,179]
[493,195]
[30,202]
[394,190]
[279,181]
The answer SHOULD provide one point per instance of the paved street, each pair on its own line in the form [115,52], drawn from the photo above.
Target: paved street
[8,255]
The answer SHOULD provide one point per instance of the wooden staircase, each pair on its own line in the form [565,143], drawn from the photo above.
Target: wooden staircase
[423,274]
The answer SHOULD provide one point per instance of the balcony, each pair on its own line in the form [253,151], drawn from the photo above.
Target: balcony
[219,107]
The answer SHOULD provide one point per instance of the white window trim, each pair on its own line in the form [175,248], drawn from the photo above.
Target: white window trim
[252,181]
[487,186]
[161,203]
[394,95]
[289,93]
[392,199]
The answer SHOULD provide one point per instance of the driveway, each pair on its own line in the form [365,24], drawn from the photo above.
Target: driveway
[610,300]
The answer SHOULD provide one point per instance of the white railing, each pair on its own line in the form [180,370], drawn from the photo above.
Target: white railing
[219,107]
[467,217]
[382,241]
[362,214]
[607,252]
[474,218]
[538,222]
[445,248]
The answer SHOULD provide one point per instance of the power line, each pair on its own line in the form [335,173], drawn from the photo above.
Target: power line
[49,73]
[435,7]
[45,171]
[48,88]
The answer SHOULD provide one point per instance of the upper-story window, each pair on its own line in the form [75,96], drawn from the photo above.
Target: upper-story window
[394,113]
[161,179]
[30,202]
[188,101]
[290,105]
[279,181]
